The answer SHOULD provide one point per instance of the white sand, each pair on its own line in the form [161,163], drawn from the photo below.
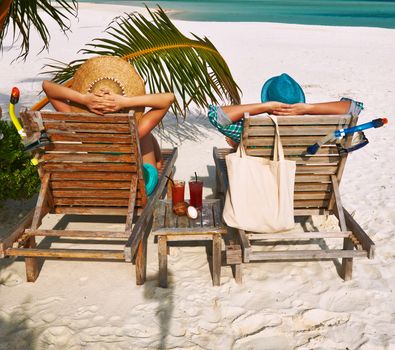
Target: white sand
[85,305]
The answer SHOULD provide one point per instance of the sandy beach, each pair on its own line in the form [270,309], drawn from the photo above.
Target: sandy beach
[290,305]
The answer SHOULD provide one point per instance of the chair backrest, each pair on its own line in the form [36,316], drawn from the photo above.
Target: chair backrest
[313,185]
[92,161]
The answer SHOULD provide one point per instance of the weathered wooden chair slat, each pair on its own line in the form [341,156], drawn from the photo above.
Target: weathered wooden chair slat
[316,188]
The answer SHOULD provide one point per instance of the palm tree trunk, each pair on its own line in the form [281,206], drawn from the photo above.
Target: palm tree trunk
[4,8]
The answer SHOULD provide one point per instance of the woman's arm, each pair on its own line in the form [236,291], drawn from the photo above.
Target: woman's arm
[336,107]
[59,96]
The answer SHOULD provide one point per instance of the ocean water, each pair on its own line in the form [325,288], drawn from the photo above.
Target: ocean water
[365,13]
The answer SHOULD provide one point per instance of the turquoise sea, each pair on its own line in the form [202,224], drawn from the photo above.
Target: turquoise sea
[365,13]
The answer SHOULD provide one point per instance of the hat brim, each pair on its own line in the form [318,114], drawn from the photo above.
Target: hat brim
[265,88]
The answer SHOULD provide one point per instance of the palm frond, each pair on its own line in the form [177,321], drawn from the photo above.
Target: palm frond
[165,58]
[23,15]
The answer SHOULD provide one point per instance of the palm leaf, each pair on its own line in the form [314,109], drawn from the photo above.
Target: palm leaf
[25,14]
[165,58]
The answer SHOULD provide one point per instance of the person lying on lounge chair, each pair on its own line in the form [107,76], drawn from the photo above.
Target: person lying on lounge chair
[104,85]
[281,95]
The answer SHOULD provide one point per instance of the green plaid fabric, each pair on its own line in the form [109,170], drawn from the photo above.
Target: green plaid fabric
[233,131]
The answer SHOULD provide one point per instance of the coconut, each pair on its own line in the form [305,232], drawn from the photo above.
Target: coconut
[192,212]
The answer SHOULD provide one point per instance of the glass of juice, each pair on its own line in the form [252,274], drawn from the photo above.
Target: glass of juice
[196,193]
[177,192]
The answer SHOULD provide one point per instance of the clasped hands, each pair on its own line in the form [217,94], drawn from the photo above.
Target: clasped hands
[104,101]
[279,108]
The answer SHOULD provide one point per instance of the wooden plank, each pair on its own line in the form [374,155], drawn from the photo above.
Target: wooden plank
[31,263]
[89,138]
[103,202]
[137,232]
[217,214]
[88,157]
[311,203]
[311,169]
[293,130]
[301,120]
[191,231]
[300,178]
[289,150]
[297,235]
[120,167]
[308,195]
[16,232]
[347,263]
[367,244]
[91,210]
[287,140]
[159,215]
[64,184]
[191,237]
[182,222]
[217,245]
[87,127]
[319,159]
[76,233]
[245,245]
[85,118]
[309,212]
[93,175]
[306,255]
[67,253]
[40,211]
[233,254]
[312,186]
[162,256]
[207,215]
[131,205]
[93,193]
[88,147]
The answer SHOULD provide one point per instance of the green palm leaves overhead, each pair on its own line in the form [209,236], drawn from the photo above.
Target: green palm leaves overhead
[23,15]
[165,58]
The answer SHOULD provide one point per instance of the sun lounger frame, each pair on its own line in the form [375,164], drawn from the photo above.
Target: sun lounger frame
[316,191]
[92,167]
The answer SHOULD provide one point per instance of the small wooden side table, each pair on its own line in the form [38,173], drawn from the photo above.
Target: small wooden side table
[169,227]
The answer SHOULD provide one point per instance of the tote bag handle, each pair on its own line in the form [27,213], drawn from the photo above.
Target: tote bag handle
[278,152]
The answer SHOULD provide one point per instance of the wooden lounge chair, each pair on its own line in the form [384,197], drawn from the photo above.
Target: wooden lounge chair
[316,191]
[92,167]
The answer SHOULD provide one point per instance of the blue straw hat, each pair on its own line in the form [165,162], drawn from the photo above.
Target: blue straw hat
[282,89]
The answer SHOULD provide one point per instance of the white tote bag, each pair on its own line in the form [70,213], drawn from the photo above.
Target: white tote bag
[260,192]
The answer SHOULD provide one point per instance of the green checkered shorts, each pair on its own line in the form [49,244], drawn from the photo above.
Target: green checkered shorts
[233,131]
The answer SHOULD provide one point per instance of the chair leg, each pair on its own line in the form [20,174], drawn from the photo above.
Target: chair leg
[347,262]
[141,262]
[162,256]
[217,240]
[31,264]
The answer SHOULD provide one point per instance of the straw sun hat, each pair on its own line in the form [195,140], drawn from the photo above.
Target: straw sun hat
[109,72]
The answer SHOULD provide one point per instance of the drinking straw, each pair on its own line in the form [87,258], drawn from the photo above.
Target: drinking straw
[196,177]
[168,178]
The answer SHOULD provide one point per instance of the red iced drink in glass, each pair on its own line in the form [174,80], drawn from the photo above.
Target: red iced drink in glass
[196,193]
[177,192]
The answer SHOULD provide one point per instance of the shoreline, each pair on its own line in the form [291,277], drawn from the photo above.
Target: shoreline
[172,11]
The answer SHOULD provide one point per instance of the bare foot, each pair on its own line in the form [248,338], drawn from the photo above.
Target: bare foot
[231,143]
